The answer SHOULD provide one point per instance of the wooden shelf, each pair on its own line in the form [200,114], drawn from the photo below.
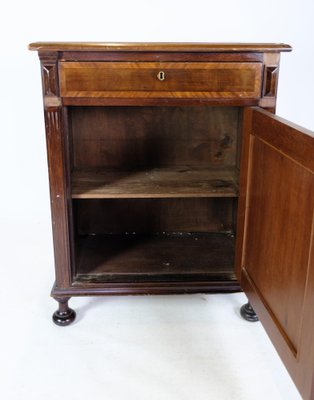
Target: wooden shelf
[155,257]
[155,183]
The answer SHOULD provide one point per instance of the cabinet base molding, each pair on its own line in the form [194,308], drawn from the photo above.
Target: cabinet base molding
[146,288]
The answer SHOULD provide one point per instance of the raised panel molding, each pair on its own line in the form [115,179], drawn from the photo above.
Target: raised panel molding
[270,81]
[271,78]
[49,77]
[50,80]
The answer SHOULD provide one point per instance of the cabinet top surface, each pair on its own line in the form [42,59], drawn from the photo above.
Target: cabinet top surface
[162,46]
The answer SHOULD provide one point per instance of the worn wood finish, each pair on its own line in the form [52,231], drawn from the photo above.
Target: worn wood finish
[117,216]
[167,256]
[169,102]
[58,194]
[139,137]
[160,47]
[228,285]
[175,182]
[277,263]
[159,56]
[140,79]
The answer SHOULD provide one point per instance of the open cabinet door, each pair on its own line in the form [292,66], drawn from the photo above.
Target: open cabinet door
[275,250]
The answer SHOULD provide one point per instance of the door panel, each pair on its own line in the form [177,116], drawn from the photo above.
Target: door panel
[275,265]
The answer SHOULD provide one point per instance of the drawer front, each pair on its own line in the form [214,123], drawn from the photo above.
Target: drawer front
[160,79]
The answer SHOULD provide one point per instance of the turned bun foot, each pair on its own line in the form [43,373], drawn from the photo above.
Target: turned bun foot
[248,313]
[64,315]
[63,318]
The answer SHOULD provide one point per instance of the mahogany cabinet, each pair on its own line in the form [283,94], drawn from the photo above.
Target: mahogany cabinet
[170,173]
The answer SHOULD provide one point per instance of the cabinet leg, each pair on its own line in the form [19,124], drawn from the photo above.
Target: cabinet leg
[64,315]
[248,313]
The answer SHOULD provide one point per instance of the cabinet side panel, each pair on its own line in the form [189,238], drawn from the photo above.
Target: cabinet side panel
[56,126]
[58,196]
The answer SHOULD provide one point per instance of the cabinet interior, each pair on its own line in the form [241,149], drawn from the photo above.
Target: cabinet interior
[154,192]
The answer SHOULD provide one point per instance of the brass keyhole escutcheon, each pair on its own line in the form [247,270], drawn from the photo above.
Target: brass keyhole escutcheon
[161,75]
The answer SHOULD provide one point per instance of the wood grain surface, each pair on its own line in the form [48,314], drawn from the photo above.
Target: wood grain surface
[144,216]
[277,265]
[180,182]
[159,46]
[141,137]
[140,79]
[160,257]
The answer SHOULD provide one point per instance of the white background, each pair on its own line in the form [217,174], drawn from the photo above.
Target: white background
[23,163]
[25,232]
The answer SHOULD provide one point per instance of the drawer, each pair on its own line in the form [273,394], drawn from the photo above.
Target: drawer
[160,79]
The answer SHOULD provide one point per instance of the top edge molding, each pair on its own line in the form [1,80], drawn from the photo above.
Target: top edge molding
[159,47]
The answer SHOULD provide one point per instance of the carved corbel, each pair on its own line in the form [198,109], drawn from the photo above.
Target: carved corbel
[270,81]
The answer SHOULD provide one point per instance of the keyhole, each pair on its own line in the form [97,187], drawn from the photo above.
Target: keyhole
[161,75]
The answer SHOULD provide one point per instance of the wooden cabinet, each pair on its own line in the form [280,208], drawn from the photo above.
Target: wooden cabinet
[169,173]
